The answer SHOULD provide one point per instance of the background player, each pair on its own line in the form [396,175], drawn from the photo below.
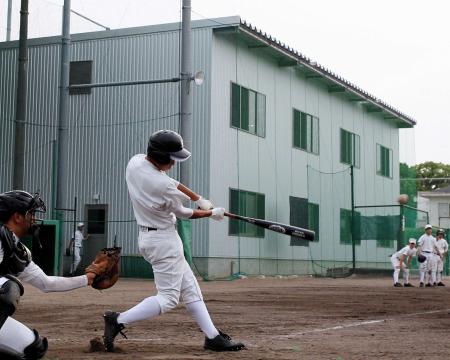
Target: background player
[157,200]
[77,243]
[427,247]
[401,260]
[442,249]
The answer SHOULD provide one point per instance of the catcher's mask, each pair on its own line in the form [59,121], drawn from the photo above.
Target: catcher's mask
[20,201]
[166,145]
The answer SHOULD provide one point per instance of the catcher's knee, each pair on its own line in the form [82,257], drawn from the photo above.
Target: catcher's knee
[37,349]
[168,301]
[10,293]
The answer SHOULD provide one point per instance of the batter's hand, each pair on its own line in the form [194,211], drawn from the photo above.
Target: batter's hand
[218,214]
[204,204]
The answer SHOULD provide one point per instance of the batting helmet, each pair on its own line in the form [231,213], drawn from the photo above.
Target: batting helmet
[166,145]
[421,258]
[440,232]
[19,201]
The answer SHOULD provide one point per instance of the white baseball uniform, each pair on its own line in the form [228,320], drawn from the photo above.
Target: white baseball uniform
[156,204]
[442,249]
[427,244]
[78,244]
[14,336]
[395,260]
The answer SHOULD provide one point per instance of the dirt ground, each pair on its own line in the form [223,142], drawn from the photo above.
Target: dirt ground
[277,318]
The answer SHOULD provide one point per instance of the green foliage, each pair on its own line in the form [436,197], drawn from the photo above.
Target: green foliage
[431,169]
[407,184]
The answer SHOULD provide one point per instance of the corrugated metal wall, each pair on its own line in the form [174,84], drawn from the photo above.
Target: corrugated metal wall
[109,125]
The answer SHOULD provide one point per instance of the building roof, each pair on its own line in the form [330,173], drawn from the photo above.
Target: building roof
[256,38]
[445,191]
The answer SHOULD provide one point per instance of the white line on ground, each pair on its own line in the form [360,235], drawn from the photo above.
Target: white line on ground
[359,323]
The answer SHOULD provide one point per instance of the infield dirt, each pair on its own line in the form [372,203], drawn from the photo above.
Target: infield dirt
[287,318]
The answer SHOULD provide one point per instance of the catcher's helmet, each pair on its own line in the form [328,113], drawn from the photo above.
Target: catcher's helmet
[421,258]
[166,145]
[19,201]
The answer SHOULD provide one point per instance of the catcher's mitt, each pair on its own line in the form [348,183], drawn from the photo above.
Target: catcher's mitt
[421,258]
[106,268]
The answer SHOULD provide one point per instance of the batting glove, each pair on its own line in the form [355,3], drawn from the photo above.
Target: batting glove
[204,204]
[218,214]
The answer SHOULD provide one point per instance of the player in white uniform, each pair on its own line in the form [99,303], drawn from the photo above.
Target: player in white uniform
[157,201]
[442,249]
[77,243]
[427,247]
[17,219]
[401,261]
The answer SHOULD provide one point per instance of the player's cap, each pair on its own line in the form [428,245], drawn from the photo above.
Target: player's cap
[412,241]
[428,226]
[80,224]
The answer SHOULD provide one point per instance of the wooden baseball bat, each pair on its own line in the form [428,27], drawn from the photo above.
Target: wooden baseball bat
[274,226]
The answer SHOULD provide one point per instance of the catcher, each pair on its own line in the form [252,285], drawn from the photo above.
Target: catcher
[17,219]
[157,200]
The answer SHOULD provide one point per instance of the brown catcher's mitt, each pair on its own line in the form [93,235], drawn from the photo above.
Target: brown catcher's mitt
[106,268]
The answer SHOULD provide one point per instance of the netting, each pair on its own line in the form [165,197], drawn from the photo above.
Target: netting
[363,239]
[331,253]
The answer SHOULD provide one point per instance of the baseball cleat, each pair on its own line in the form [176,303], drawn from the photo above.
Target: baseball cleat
[112,328]
[440,283]
[398,285]
[428,285]
[421,284]
[408,285]
[222,342]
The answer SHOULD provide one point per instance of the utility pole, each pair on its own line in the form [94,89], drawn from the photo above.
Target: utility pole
[63,115]
[8,21]
[21,100]
[186,101]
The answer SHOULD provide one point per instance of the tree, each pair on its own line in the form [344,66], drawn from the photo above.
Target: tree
[434,173]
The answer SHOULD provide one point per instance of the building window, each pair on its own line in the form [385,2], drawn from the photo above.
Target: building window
[246,203]
[346,227]
[248,110]
[305,132]
[444,210]
[350,148]
[80,73]
[305,215]
[384,161]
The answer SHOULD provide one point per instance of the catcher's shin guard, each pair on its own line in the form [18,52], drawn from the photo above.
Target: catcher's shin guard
[37,349]
[222,342]
[10,293]
[112,328]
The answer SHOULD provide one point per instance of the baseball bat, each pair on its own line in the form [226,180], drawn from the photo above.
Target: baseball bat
[274,226]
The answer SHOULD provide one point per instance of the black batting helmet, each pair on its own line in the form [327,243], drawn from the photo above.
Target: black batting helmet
[440,232]
[19,201]
[166,145]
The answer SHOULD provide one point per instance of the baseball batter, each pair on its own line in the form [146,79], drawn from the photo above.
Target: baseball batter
[427,247]
[17,219]
[157,201]
[401,261]
[442,249]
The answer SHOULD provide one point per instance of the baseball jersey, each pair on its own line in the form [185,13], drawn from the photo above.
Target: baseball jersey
[407,251]
[78,238]
[442,246]
[427,243]
[154,195]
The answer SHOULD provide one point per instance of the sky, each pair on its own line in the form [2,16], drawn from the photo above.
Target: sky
[397,50]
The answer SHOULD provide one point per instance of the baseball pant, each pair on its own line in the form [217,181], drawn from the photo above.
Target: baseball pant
[440,268]
[396,265]
[76,258]
[429,265]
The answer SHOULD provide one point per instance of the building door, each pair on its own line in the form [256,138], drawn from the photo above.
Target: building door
[97,228]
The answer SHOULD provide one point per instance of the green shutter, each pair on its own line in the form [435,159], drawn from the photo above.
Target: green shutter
[261,115]
[235,105]
[244,108]
[299,216]
[296,128]
[303,131]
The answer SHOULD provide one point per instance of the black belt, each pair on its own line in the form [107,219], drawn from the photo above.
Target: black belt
[428,252]
[146,228]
